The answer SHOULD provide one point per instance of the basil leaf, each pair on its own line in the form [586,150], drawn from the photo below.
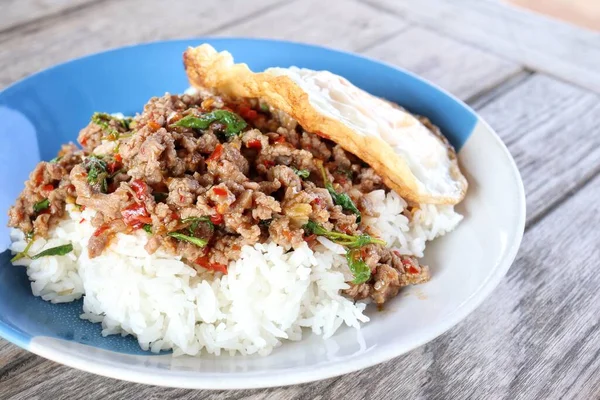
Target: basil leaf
[193,240]
[234,124]
[148,228]
[55,251]
[126,122]
[194,221]
[103,121]
[41,205]
[23,254]
[341,199]
[346,172]
[97,172]
[302,173]
[358,267]
[351,241]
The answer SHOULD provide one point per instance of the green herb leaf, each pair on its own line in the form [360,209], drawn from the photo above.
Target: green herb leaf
[126,122]
[97,172]
[351,241]
[194,240]
[195,221]
[103,121]
[302,173]
[264,107]
[234,124]
[23,254]
[341,199]
[358,267]
[55,160]
[346,172]
[55,251]
[148,228]
[41,205]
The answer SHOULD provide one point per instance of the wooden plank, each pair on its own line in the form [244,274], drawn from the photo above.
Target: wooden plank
[336,25]
[46,43]
[16,13]
[543,44]
[549,128]
[536,337]
[463,70]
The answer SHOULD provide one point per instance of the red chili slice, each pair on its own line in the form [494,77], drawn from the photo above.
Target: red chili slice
[216,219]
[216,153]
[412,270]
[113,166]
[363,253]
[39,177]
[100,230]
[154,126]
[280,139]
[219,191]
[48,188]
[136,216]
[247,113]
[310,238]
[118,158]
[203,262]
[140,188]
[254,144]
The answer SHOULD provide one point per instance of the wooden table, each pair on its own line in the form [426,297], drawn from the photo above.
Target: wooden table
[535,80]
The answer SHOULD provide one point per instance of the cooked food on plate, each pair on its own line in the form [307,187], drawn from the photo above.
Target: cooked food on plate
[249,210]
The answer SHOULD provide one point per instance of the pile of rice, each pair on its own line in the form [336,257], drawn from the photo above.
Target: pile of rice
[268,295]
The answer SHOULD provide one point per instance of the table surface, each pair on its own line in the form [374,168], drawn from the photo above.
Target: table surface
[535,80]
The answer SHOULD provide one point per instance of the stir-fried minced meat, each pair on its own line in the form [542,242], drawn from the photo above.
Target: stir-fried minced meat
[390,272]
[42,202]
[203,182]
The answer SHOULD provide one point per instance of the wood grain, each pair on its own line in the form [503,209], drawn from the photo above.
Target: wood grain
[342,24]
[549,128]
[462,70]
[541,44]
[121,23]
[17,13]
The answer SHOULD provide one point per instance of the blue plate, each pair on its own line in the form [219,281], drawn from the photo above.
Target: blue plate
[45,110]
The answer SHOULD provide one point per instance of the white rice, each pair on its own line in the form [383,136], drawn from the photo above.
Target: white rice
[267,297]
